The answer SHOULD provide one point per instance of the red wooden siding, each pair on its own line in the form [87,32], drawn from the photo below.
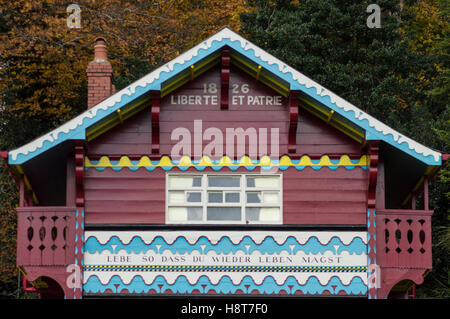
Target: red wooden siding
[236,116]
[325,196]
[309,197]
[134,136]
[125,196]
[314,136]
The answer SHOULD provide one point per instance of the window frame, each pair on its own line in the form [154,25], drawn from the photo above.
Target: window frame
[242,190]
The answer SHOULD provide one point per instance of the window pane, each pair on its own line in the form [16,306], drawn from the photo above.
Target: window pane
[263,191]
[254,197]
[270,197]
[232,197]
[252,213]
[176,197]
[262,214]
[197,182]
[215,198]
[223,213]
[177,214]
[263,181]
[224,181]
[194,213]
[194,197]
[184,181]
[269,214]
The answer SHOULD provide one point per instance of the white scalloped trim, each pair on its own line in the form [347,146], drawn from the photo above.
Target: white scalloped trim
[187,56]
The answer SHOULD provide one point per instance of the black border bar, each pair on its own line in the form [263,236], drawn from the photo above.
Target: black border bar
[212,227]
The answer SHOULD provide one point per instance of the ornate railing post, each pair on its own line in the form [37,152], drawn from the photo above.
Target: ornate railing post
[79,216]
[371,219]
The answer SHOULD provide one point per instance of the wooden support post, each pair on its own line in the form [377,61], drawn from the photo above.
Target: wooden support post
[21,190]
[224,78]
[371,218]
[426,205]
[330,116]
[70,181]
[413,201]
[192,68]
[155,108]
[293,120]
[120,116]
[79,173]
[258,72]
[79,214]
[380,196]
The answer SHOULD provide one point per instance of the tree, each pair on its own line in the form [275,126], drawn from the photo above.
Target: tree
[8,202]
[398,73]
[43,68]
[43,61]
[330,42]
[429,35]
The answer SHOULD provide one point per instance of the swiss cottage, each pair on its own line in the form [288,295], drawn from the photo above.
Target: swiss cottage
[224,171]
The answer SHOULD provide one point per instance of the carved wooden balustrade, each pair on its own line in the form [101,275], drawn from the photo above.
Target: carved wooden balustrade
[45,236]
[404,238]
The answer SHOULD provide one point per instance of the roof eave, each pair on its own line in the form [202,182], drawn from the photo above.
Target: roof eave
[76,128]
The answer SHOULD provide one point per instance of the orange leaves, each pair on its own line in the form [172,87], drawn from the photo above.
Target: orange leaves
[44,61]
[43,64]
[428,26]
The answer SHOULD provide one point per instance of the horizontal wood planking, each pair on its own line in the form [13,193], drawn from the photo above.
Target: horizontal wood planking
[310,197]
[134,135]
[124,196]
[325,196]
[223,116]
[131,137]
[314,136]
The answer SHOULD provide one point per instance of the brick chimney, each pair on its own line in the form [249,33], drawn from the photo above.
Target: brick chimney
[99,74]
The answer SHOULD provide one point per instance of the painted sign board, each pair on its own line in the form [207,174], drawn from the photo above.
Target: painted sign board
[243,91]
[231,262]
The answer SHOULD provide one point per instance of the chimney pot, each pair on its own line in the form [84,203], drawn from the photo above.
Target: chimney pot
[100,51]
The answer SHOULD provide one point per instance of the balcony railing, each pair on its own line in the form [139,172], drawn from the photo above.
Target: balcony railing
[45,236]
[404,238]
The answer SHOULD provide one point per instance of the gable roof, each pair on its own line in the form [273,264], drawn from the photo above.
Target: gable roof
[77,127]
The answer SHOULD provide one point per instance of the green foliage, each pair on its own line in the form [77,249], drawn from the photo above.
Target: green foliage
[329,41]
[8,221]
[437,283]
[398,73]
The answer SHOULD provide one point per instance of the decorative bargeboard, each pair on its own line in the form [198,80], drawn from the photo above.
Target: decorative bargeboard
[225,262]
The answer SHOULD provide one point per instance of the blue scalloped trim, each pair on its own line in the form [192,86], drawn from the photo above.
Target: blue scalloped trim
[219,168]
[226,286]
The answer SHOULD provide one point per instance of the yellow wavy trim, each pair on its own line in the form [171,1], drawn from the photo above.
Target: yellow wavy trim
[185,161]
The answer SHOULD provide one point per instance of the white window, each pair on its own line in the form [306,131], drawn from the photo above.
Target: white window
[223,199]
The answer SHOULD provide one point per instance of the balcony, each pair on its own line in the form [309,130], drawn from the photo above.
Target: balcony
[45,236]
[404,238]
